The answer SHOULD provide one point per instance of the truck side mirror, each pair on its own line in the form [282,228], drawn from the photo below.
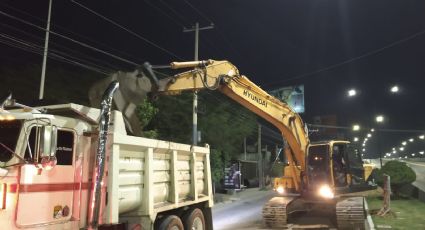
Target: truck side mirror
[45,155]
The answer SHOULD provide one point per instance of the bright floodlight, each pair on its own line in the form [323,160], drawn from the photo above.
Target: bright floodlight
[379,118]
[356,127]
[394,89]
[352,92]
[411,139]
[422,137]
[356,139]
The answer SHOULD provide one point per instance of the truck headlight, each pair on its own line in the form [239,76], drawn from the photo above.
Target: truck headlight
[280,190]
[326,192]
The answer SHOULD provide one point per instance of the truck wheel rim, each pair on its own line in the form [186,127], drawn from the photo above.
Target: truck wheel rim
[197,224]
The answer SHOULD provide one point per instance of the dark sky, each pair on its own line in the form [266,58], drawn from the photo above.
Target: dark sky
[271,42]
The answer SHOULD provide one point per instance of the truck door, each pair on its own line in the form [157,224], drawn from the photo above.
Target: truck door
[46,196]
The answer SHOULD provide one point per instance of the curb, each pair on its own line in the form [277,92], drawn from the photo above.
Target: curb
[369,217]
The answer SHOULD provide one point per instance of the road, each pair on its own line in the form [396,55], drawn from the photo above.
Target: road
[243,214]
[246,214]
[417,166]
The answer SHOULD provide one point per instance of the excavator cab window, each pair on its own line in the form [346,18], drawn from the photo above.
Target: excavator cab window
[339,165]
[318,165]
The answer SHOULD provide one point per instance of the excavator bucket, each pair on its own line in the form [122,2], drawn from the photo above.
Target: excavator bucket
[134,88]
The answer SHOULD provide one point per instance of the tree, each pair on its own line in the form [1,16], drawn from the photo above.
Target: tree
[223,124]
[400,174]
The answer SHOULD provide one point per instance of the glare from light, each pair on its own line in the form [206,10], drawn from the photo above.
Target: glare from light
[421,152]
[413,154]
[401,148]
[422,137]
[379,118]
[280,190]
[369,135]
[404,143]
[356,139]
[394,89]
[356,127]
[411,139]
[326,192]
[366,139]
[363,144]
[364,150]
[393,149]
[352,92]
[372,130]
[405,157]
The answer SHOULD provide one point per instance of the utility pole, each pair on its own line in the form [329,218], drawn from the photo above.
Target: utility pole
[260,160]
[46,46]
[196,29]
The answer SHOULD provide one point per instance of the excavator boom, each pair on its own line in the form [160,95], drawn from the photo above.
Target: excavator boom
[225,77]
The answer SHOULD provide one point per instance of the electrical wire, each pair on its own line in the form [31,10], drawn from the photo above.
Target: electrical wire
[367,54]
[126,29]
[174,11]
[33,48]
[164,13]
[70,31]
[68,38]
[199,12]
[61,46]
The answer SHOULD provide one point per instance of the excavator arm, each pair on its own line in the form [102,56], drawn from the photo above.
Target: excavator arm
[225,77]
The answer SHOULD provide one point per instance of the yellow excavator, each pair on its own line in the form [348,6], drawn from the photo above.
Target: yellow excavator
[318,174]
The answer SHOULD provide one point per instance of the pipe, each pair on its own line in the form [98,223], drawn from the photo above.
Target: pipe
[105,117]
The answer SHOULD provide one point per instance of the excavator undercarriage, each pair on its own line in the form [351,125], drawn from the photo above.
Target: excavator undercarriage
[343,212]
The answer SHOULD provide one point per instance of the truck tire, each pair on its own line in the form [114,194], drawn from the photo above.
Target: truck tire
[171,223]
[194,220]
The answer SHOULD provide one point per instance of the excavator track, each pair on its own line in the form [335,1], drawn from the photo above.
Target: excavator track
[350,213]
[275,212]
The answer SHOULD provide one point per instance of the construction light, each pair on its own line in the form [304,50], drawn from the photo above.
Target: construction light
[379,118]
[352,92]
[394,89]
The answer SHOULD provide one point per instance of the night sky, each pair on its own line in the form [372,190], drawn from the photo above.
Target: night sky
[329,46]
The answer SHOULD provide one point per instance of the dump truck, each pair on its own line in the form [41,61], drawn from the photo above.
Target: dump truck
[70,166]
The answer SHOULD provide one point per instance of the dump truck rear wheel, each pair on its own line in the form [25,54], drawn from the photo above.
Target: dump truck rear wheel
[171,223]
[194,220]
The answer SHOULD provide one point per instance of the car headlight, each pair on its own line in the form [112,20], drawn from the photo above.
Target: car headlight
[280,190]
[326,192]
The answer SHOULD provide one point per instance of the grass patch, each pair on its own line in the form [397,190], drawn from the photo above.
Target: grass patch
[409,213]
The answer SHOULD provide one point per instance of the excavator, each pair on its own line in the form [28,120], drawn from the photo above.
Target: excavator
[321,174]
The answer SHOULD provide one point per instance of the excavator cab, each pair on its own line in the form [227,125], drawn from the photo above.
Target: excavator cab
[335,166]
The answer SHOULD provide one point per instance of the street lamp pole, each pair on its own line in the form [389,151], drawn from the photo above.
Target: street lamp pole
[46,47]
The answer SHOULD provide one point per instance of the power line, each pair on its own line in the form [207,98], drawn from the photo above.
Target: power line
[62,46]
[69,31]
[174,11]
[367,54]
[199,12]
[164,13]
[31,47]
[69,39]
[126,29]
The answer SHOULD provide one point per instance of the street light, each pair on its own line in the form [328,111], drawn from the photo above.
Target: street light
[369,135]
[422,137]
[379,118]
[372,130]
[356,127]
[401,148]
[356,139]
[411,139]
[404,143]
[352,92]
[394,89]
